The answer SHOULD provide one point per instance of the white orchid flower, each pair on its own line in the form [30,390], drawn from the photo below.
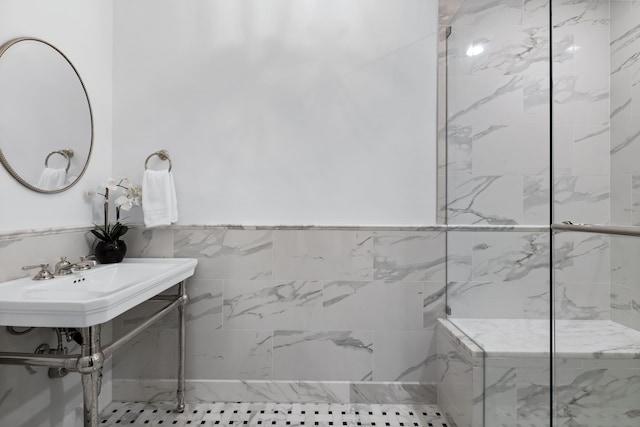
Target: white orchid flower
[121,182]
[123,202]
[112,184]
[134,192]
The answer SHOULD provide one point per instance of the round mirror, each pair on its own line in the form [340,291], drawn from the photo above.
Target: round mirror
[46,125]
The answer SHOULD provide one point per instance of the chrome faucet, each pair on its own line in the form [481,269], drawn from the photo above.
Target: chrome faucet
[90,258]
[43,274]
[64,267]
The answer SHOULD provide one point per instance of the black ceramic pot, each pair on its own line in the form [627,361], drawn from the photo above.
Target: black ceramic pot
[110,252]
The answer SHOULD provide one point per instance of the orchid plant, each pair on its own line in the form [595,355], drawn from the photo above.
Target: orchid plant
[131,195]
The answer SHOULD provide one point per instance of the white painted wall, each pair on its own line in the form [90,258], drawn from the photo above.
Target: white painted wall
[281,111]
[84,32]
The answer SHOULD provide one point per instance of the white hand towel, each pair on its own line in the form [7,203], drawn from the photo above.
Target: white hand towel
[159,203]
[52,179]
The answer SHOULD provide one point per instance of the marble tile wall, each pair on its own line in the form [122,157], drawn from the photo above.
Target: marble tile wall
[588,392]
[624,45]
[461,373]
[517,392]
[498,274]
[625,288]
[582,276]
[604,46]
[292,306]
[496,76]
[590,389]
[581,99]
[495,80]
[592,392]
[498,157]
[497,92]
[497,89]
[622,50]
[27,396]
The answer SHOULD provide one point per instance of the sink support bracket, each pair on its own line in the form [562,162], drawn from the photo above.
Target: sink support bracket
[182,344]
[90,365]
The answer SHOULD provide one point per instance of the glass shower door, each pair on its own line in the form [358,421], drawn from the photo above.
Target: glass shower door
[597,327]
[596,127]
[497,210]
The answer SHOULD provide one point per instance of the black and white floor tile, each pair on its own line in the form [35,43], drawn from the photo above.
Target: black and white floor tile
[272,414]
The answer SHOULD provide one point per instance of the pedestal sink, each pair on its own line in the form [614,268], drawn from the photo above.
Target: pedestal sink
[87,299]
[91,297]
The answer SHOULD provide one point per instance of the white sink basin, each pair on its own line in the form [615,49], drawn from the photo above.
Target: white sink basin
[90,297]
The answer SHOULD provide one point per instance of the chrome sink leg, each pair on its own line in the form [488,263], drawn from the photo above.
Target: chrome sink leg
[90,365]
[182,345]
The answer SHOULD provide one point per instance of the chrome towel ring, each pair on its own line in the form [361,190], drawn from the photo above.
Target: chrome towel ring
[163,154]
[67,153]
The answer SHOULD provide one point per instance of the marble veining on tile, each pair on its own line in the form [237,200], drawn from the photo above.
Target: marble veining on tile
[459,341]
[312,355]
[488,12]
[434,304]
[582,258]
[582,301]
[322,255]
[576,13]
[227,254]
[512,52]
[354,227]
[594,397]
[510,257]
[277,391]
[145,243]
[537,194]
[625,306]
[405,357]
[299,227]
[393,392]
[258,304]
[485,200]
[378,306]
[403,256]
[34,232]
[228,354]
[597,339]
[461,378]
[583,199]
[205,303]
[459,154]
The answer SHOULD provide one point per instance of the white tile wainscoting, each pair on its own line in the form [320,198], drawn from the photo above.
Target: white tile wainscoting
[294,315]
[307,315]
[158,390]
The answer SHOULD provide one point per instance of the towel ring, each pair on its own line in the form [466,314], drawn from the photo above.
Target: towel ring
[67,153]
[163,154]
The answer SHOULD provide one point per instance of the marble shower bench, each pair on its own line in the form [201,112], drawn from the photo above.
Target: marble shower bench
[497,373]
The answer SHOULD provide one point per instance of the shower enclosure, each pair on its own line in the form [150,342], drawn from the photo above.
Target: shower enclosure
[539,126]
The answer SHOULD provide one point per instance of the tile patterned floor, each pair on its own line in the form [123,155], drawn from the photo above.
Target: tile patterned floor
[272,414]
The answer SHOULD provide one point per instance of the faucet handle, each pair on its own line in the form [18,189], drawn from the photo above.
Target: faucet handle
[63,267]
[89,259]
[43,274]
